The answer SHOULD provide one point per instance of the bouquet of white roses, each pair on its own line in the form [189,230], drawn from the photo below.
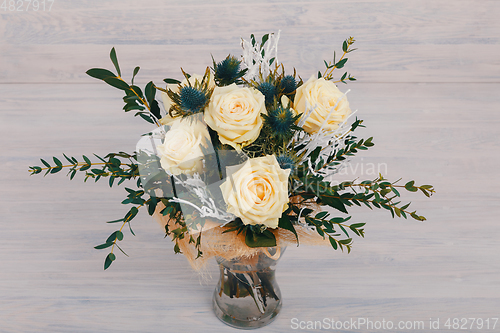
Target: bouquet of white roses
[242,156]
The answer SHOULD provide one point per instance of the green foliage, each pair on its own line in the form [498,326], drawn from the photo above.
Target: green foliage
[256,236]
[309,189]
[112,55]
[134,99]
[228,71]
[191,98]
[110,166]
[331,66]
[285,223]
[377,193]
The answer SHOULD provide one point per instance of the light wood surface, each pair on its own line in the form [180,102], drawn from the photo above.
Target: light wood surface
[428,91]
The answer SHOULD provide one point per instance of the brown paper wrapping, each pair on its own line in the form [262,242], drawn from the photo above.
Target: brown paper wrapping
[230,245]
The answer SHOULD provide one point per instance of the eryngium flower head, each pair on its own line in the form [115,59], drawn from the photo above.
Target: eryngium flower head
[228,71]
[192,100]
[286,162]
[288,85]
[280,120]
[269,90]
[191,96]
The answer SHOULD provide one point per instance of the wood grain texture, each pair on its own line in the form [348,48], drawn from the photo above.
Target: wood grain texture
[410,41]
[428,91]
[52,279]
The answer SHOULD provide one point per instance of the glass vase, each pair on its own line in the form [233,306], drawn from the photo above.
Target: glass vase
[247,295]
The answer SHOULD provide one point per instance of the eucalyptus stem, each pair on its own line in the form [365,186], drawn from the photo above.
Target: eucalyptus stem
[126,220]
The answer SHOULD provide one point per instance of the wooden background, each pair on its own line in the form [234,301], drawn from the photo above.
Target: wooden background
[428,80]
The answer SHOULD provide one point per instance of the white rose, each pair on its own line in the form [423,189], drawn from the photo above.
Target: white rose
[323,95]
[181,151]
[234,113]
[167,102]
[258,192]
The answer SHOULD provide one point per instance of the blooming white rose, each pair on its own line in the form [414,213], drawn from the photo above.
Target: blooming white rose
[258,192]
[322,95]
[181,151]
[234,113]
[167,102]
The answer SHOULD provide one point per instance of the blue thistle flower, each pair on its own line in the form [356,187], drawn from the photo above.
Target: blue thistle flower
[280,120]
[286,162]
[192,100]
[269,91]
[288,84]
[192,97]
[228,71]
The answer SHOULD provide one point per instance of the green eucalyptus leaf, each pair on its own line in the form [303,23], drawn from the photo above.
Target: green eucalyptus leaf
[333,242]
[100,73]
[130,228]
[396,192]
[133,106]
[55,170]
[171,81]
[334,203]
[136,70]
[256,239]
[103,246]
[121,250]
[115,161]
[321,215]
[137,91]
[150,91]
[68,159]
[86,159]
[131,214]
[341,63]
[285,223]
[117,83]
[112,55]
[155,109]
[45,163]
[115,221]
[152,205]
[109,260]
[264,39]
[146,118]
[345,241]
[409,184]
[57,162]
[112,237]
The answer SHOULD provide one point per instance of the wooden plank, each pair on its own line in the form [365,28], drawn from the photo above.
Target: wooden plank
[411,41]
[447,267]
